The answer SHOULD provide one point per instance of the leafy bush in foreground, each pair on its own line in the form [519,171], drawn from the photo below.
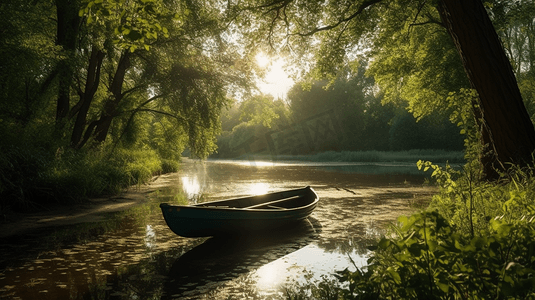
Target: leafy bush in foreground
[476,241]
[430,260]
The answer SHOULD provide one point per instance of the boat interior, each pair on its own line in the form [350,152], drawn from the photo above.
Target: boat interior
[280,200]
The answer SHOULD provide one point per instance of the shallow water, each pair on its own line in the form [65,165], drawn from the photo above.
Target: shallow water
[144,259]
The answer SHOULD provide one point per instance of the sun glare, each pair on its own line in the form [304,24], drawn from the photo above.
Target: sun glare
[270,276]
[262,60]
[191,186]
[276,81]
[258,188]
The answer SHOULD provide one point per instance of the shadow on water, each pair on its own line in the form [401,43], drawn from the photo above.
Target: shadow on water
[222,259]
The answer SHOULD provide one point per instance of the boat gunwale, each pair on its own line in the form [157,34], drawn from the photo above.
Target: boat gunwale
[205,205]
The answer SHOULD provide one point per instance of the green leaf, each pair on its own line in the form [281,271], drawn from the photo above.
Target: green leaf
[415,250]
[384,243]
[479,242]
[394,274]
[443,286]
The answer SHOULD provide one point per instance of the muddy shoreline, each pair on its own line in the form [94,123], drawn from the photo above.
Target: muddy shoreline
[91,211]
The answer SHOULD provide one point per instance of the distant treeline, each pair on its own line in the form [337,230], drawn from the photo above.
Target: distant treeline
[372,156]
[343,116]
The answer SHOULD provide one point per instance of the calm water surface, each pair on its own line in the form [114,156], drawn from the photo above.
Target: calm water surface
[143,259]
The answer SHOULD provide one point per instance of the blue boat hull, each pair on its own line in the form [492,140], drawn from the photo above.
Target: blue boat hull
[240,215]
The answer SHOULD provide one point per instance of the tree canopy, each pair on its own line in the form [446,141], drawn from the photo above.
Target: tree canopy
[105,64]
[413,60]
[83,77]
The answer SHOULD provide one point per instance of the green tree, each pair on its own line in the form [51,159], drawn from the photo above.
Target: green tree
[29,54]
[342,29]
[158,61]
[259,109]
[88,88]
[430,132]
[230,116]
[246,124]
[346,97]
[377,130]
[151,57]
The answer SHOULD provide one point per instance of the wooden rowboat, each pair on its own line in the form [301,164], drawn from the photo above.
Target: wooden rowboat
[240,215]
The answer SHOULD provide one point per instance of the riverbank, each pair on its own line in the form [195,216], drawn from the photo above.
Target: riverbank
[90,211]
[408,156]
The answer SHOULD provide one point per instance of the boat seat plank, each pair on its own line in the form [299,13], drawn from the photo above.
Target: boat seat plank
[272,202]
[276,207]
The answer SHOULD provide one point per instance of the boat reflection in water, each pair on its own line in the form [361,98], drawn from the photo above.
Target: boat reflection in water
[220,260]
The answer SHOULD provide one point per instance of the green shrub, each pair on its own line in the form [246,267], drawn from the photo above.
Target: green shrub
[429,259]
[99,173]
[170,166]
[470,203]
[476,241]
[31,178]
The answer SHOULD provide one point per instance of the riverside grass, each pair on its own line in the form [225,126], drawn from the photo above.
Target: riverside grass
[31,180]
[409,156]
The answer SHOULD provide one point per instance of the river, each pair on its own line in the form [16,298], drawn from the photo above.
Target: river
[142,259]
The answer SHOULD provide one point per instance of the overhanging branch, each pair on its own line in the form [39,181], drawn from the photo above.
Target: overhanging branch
[161,113]
[359,10]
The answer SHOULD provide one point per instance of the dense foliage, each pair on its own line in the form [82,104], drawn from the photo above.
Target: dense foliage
[344,115]
[90,89]
[475,242]
[430,260]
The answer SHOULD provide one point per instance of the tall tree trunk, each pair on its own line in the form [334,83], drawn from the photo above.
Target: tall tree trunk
[110,108]
[506,126]
[91,86]
[66,36]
